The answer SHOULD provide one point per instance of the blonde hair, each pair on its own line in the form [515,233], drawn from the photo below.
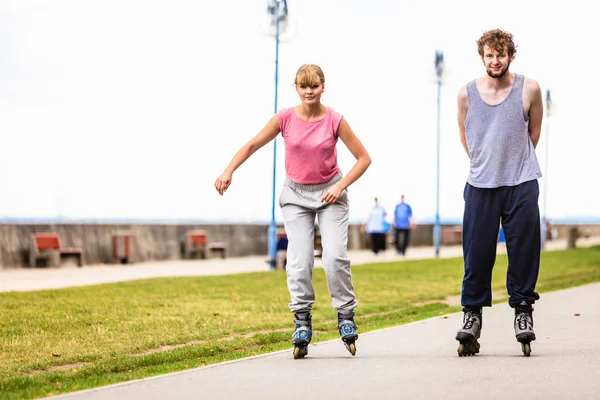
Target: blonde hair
[308,75]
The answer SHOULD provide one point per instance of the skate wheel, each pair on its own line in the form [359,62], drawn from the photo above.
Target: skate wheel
[468,349]
[352,349]
[526,347]
[461,350]
[300,352]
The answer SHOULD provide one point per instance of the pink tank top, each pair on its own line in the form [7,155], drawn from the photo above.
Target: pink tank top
[310,153]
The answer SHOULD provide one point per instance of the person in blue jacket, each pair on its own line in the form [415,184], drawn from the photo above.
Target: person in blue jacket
[403,222]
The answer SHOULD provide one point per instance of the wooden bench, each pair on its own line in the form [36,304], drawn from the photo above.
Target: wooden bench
[197,244]
[217,248]
[46,246]
[123,243]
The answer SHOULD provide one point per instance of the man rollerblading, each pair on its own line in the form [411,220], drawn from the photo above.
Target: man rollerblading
[500,118]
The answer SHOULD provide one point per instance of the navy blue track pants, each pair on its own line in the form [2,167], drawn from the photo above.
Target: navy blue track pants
[517,208]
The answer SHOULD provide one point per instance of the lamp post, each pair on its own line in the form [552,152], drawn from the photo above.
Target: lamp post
[439,71]
[544,218]
[278,11]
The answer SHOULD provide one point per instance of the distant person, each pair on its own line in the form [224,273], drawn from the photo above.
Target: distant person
[314,186]
[551,231]
[403,223]
[377,228]
[281,250]
[499,119]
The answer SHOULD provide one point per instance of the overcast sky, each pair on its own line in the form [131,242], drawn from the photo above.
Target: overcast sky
[131,108]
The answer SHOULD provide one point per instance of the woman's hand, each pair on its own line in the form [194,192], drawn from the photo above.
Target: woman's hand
[222,183]
[332,194]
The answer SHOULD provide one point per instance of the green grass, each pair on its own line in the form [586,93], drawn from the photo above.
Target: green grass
[56,341]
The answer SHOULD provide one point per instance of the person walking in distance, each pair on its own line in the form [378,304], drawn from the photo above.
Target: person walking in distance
[499,119]
[314,187]
[403,222]
[377,227]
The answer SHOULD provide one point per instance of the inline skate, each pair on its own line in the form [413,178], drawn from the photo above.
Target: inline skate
[470,332]
[302,335]
[524,326]
[347,330]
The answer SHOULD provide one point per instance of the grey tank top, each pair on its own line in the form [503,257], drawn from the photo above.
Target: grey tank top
[501,150]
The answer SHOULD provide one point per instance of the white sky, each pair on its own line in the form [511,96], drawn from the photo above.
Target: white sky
[131,108]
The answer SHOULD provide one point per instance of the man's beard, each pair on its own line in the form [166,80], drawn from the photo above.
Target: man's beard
[498,75]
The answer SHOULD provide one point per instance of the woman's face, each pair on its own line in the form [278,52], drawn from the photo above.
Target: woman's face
[310,94]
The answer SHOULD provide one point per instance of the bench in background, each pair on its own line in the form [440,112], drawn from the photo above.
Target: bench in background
[46,246]
[197,245]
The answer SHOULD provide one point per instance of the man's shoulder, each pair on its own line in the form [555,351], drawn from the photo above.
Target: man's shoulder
[530,84]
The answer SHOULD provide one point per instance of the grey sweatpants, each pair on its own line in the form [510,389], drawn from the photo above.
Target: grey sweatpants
[300,204]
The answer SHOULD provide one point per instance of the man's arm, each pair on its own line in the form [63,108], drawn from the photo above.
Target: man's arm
[536,109]
[463,106]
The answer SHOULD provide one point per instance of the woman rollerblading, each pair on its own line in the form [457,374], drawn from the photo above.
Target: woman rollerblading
[314,188]
[524,326]
[302,335]
[469,333]
[348,331]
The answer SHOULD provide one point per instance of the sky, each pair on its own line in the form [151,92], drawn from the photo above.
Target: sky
[130,109]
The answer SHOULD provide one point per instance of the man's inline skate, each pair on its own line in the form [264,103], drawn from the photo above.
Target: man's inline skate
[470,332]
[303,334]
[524,326]
[347,330]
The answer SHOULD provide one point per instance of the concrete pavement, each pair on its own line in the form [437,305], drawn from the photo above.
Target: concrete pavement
[413,361]
[27,279]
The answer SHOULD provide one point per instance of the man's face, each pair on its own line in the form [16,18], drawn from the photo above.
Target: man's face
[496,64]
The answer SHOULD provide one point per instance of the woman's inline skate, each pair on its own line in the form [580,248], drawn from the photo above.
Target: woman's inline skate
[347,330]
[302,335]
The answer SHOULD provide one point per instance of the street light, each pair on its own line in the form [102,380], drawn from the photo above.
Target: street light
[278,11]
[544,219]
[439,71]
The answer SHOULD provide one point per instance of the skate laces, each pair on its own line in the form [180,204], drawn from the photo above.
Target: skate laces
[347,327]
[303,326]
[469,320]
[346,324]
[524,320]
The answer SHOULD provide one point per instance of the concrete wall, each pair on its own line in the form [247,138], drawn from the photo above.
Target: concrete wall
[164,241]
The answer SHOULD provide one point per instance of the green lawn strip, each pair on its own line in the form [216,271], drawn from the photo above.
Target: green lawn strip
[116,332]
[131,367]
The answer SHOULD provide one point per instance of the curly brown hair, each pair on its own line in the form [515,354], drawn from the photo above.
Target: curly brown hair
[499,40]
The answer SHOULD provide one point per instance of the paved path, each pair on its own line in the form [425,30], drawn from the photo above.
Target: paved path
[413,361]
[27,279]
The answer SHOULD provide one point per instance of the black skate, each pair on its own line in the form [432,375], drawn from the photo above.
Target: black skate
[347,330]
[303,334]
[469,333]
[524,326]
